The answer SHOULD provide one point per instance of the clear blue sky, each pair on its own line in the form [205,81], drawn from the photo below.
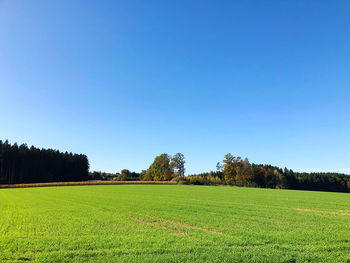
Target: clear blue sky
[123,81]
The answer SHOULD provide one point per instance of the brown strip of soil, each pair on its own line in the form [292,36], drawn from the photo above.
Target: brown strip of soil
[174,223]
[83,183]
[159,226]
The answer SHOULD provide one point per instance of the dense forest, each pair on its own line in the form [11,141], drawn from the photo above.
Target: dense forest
[21,164]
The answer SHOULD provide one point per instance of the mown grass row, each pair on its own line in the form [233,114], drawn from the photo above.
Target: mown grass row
[83,183]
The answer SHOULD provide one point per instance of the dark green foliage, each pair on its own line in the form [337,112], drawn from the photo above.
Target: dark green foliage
[32,165]
[211,178]
[124,175]
[322,181]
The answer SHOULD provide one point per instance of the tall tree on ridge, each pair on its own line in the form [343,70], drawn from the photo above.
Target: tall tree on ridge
[178,164]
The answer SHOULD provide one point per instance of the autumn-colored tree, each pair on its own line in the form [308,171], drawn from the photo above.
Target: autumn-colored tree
[232,169]
[247,172]
[160,169]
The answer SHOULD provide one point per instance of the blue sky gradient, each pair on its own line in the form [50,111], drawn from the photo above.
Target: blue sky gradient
[125,81]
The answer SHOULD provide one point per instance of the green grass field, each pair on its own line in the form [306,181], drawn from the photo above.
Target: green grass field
[173,223]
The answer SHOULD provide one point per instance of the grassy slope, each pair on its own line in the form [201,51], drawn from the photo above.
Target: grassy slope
[127,222]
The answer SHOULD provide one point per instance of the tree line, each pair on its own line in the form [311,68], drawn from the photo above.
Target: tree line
[124,175]
[21,164]
[240,172]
